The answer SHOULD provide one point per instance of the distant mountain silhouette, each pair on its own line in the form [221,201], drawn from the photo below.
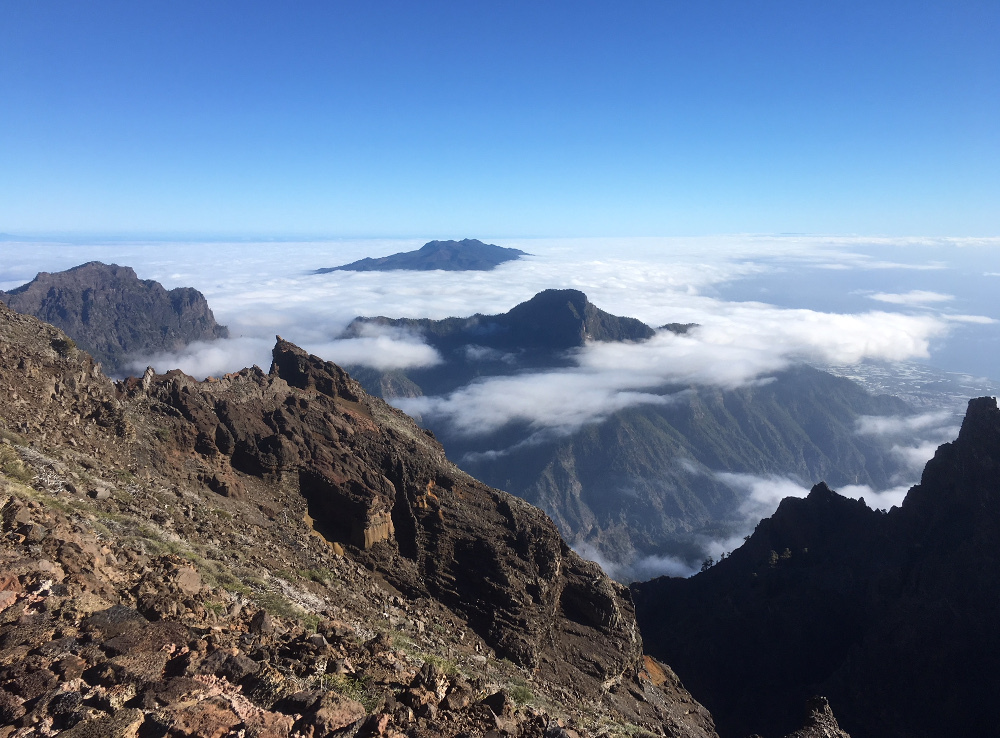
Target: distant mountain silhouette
[468,254]
[892,615]
[115,316]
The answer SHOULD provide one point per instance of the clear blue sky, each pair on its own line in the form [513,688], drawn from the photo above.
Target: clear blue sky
[500,118]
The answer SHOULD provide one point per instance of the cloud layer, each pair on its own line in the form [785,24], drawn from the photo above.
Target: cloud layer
[742,345]
[913,297]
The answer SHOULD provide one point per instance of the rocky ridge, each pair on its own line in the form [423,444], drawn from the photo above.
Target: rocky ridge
[279,554]
[115,316]
[537,333]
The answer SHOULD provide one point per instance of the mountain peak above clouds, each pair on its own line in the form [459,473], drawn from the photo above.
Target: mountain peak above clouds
[115,316]
[561,319]
[469,254]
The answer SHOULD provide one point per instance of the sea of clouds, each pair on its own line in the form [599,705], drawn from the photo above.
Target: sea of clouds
[265,289]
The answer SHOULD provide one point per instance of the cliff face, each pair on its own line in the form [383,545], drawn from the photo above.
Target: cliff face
[114,315]
[282,554]
[888,614]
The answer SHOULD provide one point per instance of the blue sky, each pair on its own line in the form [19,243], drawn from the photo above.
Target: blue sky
[501,118]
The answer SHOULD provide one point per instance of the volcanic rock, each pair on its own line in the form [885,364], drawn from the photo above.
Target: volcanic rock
[887,614]
[115,316]
[440,580]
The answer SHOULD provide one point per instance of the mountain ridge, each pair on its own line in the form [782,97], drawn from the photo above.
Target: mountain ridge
[469,254]
[845,601]
[645,481]
[115,316]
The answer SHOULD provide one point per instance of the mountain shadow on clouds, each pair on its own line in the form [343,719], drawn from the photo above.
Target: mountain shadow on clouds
[892,615]
[469,254]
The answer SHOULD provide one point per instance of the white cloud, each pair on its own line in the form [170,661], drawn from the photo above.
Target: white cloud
[211,358]
[763,493]
[975,319]
[640,569]
[916,456]
[745,342]
[563,400]
[903,425]
[913,297]
[259,290]
[878,499]
[379,346]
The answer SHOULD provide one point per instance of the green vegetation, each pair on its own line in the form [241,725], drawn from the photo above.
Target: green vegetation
[448,666]
[358,689]
[521,693]
[64,345]
[320,576]
[276,604]
[12,466]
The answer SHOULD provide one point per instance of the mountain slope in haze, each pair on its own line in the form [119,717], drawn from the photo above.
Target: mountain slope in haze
[469,254]
[652,480]
[648,480]
[282,555]
[115,316]
[891,615]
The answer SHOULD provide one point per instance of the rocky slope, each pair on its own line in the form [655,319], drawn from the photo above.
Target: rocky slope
[465,255]
[646,481]
[282,555]
[888,614]
[115,316]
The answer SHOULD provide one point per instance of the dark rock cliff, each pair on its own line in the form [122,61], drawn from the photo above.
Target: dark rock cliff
[115,316]
[891,615]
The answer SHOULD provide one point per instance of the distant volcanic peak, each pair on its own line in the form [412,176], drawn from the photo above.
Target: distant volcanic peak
[569,318]
[469,254]
[470,244]
[115,316]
